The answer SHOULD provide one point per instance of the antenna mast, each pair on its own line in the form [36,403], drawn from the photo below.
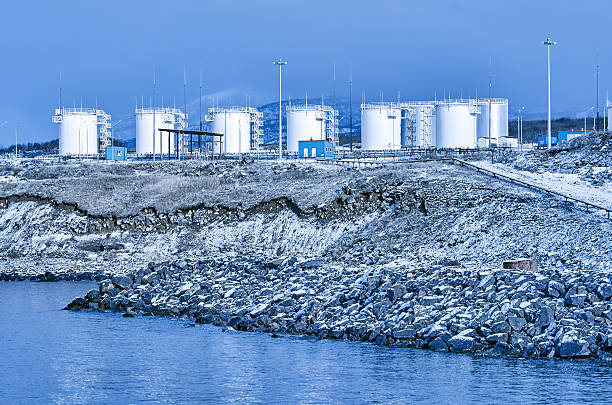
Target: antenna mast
[351,104]
[60,91]
[597,85]
[153,105]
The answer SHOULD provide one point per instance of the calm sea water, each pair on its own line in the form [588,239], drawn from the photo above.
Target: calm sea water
[52,356]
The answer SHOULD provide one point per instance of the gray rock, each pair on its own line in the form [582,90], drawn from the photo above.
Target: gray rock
[605,291]
[500,327]
[560,288]
[408,333]
[437,345]
[546,317]
[259,310]
[431,300]
[462,344]
[93,295]
[486,282]
[497,337]
[105,285]
[517,323]
[312,263]
[573,347]
[381,340]
[122,282]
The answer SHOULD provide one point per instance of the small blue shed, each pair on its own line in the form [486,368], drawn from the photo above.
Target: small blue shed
[314,149]
[566,136]
[116,153]
[543,140]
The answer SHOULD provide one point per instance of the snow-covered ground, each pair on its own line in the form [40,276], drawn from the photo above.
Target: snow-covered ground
[570,184]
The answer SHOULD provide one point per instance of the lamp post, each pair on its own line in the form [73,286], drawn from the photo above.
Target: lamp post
[548,44]
[519,128]
[280,64]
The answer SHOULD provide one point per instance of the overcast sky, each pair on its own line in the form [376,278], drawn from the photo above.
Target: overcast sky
[108,49]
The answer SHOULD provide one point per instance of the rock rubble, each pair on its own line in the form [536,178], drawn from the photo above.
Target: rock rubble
[551,313]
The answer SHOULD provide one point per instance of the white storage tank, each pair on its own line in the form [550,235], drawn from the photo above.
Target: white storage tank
[499,120]
[310,122]
[456,124]
[165,118]
[381,126]
[238,125]
[78,131]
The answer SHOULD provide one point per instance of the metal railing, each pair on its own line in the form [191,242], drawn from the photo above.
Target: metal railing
[533,186]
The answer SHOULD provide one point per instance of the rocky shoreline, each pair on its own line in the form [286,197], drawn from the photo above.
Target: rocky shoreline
[49,276]
[550,313]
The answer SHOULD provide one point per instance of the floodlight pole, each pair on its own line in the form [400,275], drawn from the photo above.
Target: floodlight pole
[548,44]
[519,128]
[280,64]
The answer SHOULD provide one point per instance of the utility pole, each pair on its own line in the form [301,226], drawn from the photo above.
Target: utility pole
[280,64]
[597,86]
[351,105]
[490,87]
[154,116]
[548,44]
[178,136]
[519,128]
[334,86]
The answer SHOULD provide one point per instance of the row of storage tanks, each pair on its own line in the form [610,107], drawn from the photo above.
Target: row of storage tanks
[384,126]
[241,127]
[443,124]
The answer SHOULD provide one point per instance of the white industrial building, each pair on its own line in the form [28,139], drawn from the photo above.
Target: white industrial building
[78,130]
[310,123]
[493,114]
[241,127]
[149,138]
[456,124]
[442,124]
[381,126]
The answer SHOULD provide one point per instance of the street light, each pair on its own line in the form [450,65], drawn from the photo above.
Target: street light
[519,128]
[548,44]
[280,64]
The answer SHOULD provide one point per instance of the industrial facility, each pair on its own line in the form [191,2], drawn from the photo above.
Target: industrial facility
[149,139]
[418,124]
[381,126]
[441,124]
[78,130]
[493,115]
[241,127]
[311,123]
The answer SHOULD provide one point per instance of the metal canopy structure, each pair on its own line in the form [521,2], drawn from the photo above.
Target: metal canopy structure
[182,132]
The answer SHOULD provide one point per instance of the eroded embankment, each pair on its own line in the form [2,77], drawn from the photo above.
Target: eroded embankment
[545,314]
[35,227]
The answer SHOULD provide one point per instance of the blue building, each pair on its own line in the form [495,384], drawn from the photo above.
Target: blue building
[116,153]
[315,149]
[566,136]
[561,138]
[543,140]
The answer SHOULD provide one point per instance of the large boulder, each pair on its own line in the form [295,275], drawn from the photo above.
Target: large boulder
[462,344]
[571,346]
[546,317]
[122,282]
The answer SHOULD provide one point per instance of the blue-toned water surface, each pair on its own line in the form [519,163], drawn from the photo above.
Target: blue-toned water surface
[52,356]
